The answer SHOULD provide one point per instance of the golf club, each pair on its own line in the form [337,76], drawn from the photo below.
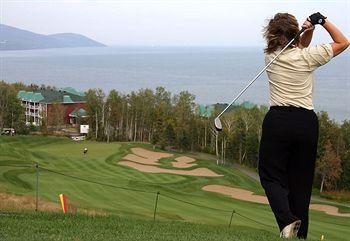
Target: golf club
[217,121]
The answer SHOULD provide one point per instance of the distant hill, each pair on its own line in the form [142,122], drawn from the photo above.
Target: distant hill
[12,38]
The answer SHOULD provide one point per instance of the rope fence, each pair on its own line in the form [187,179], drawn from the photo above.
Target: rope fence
[158,194]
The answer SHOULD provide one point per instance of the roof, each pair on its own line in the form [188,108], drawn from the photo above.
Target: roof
[78,113]
[52,96]
[67,99]
[34,97]
[206,111]
[248,105]
[73,91]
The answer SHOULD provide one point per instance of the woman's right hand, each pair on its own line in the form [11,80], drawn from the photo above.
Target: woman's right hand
[307,25]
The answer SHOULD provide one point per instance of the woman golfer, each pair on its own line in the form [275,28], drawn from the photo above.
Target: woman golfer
[290,129]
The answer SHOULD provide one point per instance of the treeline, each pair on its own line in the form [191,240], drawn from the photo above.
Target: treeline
[175,121]
[154,116]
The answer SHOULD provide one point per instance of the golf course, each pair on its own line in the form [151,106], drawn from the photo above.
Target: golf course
[130,191]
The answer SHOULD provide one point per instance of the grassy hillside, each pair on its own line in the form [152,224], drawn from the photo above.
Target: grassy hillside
[46,226]
[100,165]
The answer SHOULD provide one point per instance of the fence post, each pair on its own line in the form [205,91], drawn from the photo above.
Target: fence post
[155,207]
[233,211]
[37,186]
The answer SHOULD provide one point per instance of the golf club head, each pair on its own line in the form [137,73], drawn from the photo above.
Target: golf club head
[217,123]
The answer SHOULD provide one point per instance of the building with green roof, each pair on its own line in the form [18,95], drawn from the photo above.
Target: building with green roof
[76,114]
[206,111]
[248,105]
[39,103]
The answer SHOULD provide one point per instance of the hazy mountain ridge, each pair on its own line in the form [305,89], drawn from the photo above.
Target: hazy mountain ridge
[12,38]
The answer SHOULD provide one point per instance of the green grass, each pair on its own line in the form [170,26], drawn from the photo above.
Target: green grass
[100,164]
[48,226]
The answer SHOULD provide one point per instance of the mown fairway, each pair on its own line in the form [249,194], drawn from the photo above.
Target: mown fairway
[100,165]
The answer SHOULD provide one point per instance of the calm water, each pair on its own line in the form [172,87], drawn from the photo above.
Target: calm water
[212,74]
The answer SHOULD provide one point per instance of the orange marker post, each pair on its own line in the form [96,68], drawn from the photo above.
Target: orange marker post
[64,203]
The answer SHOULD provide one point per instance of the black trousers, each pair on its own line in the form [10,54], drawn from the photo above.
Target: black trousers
[287,157]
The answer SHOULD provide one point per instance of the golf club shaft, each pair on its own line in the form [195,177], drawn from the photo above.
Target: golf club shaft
[258,75]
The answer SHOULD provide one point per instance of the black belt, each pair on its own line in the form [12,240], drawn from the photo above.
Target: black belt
[289,108]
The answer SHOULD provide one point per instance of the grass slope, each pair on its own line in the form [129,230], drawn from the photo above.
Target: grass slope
[100,164]
[48,226]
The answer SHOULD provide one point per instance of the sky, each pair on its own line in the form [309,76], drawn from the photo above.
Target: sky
[168,22]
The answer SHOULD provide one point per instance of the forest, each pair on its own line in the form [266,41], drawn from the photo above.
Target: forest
[177,122]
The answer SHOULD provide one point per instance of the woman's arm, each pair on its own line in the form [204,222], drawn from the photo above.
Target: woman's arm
[306,37]
[340,41]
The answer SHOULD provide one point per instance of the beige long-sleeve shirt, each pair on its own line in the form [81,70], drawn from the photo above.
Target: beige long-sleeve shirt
[291,78]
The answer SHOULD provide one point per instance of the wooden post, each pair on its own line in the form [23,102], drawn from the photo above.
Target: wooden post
[155,206]
[233,211]
[37,187]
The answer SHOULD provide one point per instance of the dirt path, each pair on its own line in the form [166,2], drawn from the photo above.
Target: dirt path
[246,171]
[245,195]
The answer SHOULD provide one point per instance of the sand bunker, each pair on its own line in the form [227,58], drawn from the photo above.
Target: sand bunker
[146,157]
[236,193]
[201,172]
[331,210]
[183,162]
[147,161]
[149,154]
[245,195]
[141,160]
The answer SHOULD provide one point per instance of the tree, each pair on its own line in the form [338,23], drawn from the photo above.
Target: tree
[183,112]
[114,116]
[11,110]
[43,126]
[57,115]
[328,167]
[329,131]
[169,136]
[345,156]
[95,110]
[162,130]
